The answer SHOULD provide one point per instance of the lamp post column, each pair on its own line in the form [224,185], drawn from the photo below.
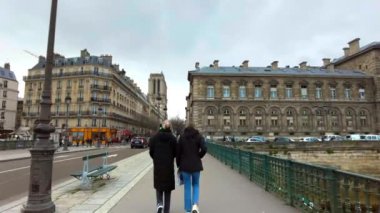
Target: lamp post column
[42,153]
[100,120]
[67,100]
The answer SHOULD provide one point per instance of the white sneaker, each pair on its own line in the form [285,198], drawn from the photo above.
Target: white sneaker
[159,209]
[195,209]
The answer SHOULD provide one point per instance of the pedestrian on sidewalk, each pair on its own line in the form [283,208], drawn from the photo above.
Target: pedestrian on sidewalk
[162,148]
[190,150]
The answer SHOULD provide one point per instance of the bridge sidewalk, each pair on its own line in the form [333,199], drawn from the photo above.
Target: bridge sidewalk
[222,190]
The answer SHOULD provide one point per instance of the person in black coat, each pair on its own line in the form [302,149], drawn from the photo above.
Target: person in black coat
[190,149]
[162,149]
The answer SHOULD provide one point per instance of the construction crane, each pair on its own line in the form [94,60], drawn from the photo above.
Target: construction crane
[32,54]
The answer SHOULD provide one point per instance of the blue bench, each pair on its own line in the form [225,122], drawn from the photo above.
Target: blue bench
[88,173]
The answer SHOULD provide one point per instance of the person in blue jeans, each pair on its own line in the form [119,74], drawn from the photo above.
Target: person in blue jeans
[190,150]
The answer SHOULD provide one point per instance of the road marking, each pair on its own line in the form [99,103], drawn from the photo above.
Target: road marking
[12,170]
[111,156]
[26,167]
[61,156]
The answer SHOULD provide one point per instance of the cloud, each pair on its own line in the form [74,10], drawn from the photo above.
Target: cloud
[146,36]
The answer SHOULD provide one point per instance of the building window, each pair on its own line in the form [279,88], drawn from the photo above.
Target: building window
[81,83]
[274,121]
[273,92]
[93,123]
[304,94]
[242,122]
[210,92]
[79,110]
[60,72]
[2,115]
[57,109]
[242,112]
[210,112]
[226,92]
[242,92]
[258,91]
[333,93]
[4,94]
[78,122]
[5,84]
[59,85]
[363,118]
[4,104]
[318,93]
[258,121]
[226,112]
[289,91]
[68,83]
[94,109]
[289,121]
[361,93]
[347,93]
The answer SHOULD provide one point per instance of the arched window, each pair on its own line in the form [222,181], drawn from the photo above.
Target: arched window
[226,112]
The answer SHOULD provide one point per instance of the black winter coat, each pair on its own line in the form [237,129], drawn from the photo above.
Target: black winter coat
[190,149]
[162,149]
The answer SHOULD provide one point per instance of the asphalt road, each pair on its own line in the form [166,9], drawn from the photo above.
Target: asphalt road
[14,175]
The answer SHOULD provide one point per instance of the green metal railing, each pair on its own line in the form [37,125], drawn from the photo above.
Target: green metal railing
[308,187]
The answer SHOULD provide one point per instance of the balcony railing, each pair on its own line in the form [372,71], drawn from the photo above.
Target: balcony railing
[100,88]
[103,100]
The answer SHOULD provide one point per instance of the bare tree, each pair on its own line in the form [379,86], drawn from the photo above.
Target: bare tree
[178,125]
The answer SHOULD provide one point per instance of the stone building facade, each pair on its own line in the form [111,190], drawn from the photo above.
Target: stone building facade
[157,93]
[91,98]
[8,99]
[339,97]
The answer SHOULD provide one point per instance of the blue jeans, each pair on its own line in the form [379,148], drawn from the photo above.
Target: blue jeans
[191,180]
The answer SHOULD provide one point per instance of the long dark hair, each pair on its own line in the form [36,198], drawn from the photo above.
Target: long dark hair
[190,132]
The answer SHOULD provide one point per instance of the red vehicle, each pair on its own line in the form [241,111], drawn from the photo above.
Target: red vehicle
[139,142]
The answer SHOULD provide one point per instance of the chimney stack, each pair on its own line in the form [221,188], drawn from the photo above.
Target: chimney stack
[216,64]
[303,65]
[84,53]
[354,46]
[197,65]
[7,66]
[275,65]
[326,61]
[346,51]
[245,64]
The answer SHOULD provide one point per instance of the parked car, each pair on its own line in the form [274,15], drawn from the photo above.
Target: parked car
[310,139]
[260,138]
[333,138]
[139,142]
[283,140]
[254,140]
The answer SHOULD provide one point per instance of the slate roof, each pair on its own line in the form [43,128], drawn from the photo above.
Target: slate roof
[361,50]
[4,73]
[100,60]
[263,71]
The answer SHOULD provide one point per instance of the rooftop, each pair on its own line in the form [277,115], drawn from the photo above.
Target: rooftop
[7,74]
[309,71]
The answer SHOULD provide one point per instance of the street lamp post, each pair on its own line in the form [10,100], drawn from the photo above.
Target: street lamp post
[67,101]
[41,168]
[100,109]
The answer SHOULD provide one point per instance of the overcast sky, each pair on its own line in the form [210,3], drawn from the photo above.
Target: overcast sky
[152,36]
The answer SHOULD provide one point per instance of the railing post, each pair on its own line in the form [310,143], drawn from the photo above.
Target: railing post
[239,156]
[333,191]
[289,182]
[250,166]
[266,172]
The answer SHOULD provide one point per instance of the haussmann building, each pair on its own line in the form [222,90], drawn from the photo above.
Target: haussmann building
[91,98]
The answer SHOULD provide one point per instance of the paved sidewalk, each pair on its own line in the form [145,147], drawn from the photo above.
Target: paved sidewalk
[222,191]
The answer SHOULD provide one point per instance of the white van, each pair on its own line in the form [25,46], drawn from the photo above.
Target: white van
[372,137]
[361,137]
[355,137]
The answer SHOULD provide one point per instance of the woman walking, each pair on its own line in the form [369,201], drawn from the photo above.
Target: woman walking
[190,149]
